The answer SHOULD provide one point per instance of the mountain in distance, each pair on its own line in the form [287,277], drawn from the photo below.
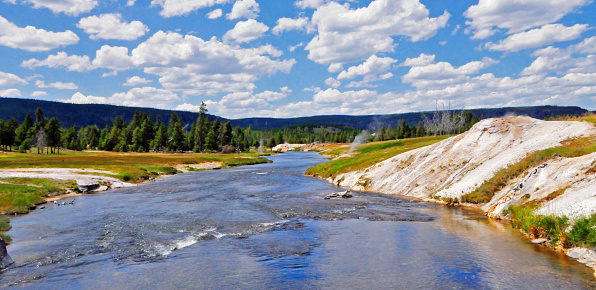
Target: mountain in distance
[101,115]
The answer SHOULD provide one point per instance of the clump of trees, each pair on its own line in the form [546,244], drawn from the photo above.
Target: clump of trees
[441,123]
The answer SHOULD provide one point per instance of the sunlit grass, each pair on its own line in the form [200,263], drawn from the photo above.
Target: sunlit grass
[130,167]
[369,154]
[19,195]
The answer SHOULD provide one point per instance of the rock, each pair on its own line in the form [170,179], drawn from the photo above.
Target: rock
[539,241]
[345,194]
[5,259]
[87,186]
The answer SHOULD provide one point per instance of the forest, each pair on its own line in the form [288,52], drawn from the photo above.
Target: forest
[145,133]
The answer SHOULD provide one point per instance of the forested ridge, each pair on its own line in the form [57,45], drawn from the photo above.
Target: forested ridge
[102,115]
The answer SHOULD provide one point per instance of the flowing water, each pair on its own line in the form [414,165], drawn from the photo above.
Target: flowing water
[268,226]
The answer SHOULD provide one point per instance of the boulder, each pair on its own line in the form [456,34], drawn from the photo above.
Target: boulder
[344,194]
[88,186]
[539,241]
[5,259]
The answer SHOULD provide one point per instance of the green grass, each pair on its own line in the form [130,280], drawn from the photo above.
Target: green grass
[538,226]
[572,148]
[4,223]
[6,238]
[583,232]
[19,195]
[370,154]
[131,167]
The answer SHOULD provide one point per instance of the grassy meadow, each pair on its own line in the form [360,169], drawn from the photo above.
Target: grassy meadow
[368,154]
[20,195]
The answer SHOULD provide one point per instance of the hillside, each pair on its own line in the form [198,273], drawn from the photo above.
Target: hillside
[442,170]
[100,115]
[540,175]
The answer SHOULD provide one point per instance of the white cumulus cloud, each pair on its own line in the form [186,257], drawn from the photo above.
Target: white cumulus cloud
[217,13]
[545,35]
[441,74]
[111,26]
[10,93]
[61,60]
[171,8]
[244,9]
[332,82]
[347,35]
[288,24]
[136,97]
[304,4]
[8,79]
[38,94]
[32,39]
[489,16]
[245,31]
[373,65]
[68,7]
[195,67]
[113,57]
[57,85]
[136,81]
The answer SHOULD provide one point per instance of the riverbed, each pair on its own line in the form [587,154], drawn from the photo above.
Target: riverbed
[268,226]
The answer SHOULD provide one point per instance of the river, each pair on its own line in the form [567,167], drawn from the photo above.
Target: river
[268,226]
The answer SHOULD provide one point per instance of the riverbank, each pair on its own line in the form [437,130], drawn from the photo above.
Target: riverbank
[28,180]
[546,166]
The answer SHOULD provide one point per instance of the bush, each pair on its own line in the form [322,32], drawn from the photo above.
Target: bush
[6,238]
[583,232]
[4,223]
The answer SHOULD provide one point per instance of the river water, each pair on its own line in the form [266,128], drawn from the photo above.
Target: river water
[268,226]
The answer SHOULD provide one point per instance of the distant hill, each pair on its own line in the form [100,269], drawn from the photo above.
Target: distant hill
[100,115]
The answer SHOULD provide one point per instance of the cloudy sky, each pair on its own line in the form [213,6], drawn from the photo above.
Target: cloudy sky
[287,58]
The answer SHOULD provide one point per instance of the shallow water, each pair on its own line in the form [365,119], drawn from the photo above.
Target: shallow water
[268,226]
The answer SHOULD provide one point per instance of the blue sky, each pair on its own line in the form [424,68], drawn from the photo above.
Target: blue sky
[255,58]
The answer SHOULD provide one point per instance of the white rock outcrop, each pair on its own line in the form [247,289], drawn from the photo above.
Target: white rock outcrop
[458,165]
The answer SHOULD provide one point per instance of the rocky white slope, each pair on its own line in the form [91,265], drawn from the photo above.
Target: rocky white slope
[458,165]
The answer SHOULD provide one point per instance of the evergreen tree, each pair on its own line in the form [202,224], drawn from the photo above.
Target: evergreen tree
[212,138]
[226,134]
[176,134]
[201,129]
[24,132]
[190,140]
[161,138]
[92,136]
[53,134]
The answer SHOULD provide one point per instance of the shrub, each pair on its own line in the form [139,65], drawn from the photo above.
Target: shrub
[6,238]
[4,223]
[583,232]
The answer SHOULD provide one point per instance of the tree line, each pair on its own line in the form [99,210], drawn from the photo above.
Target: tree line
[441,123]
[144,134]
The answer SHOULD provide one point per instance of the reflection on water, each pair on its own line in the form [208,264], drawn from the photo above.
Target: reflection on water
[269,226]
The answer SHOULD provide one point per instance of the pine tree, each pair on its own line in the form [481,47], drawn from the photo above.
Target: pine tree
[212,138]
[201,129]
[176,134]
[160,141]
[53,134]
[226,134]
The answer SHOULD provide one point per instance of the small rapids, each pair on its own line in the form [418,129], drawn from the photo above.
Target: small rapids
[268,226]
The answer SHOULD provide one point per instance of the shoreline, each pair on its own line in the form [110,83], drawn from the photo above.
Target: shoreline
[582,255]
